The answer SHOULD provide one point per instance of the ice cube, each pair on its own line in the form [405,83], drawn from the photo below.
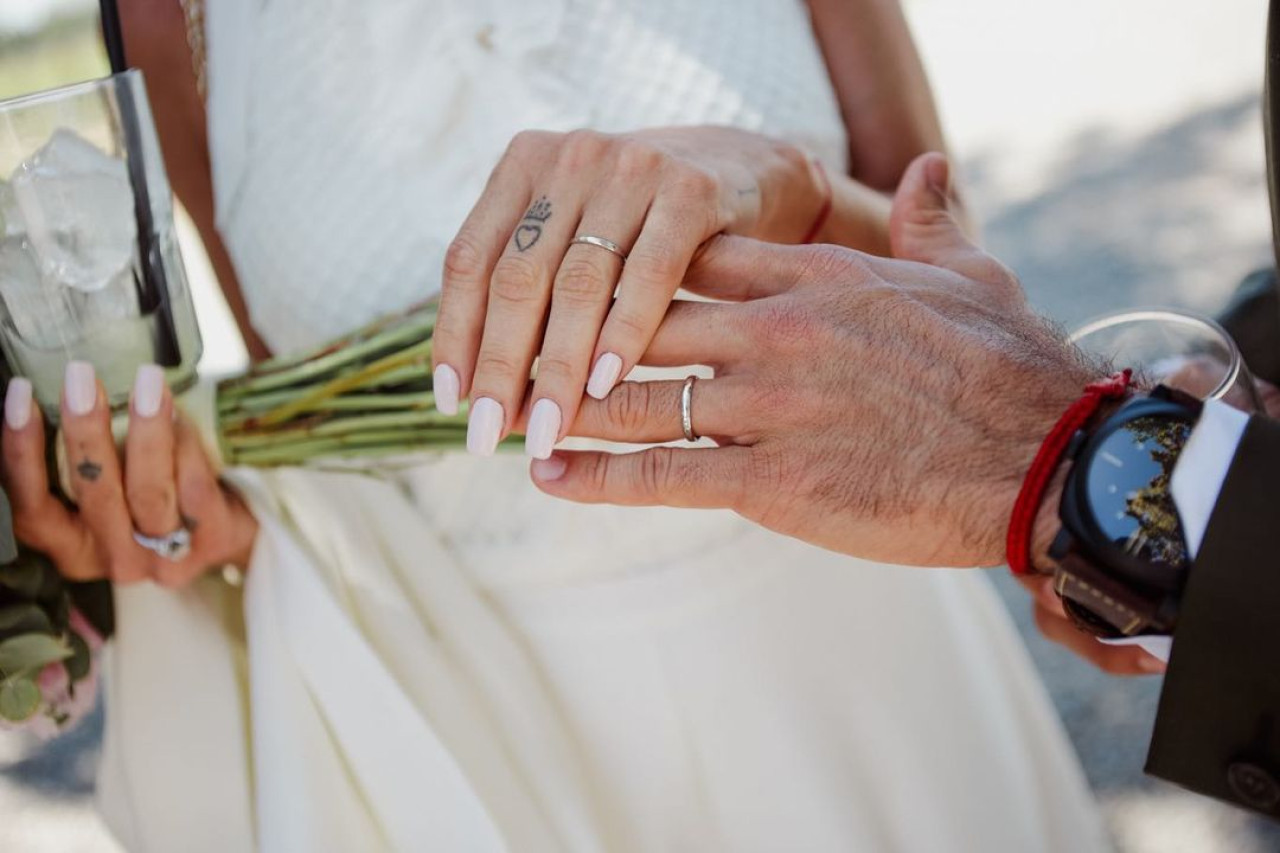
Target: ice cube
[117,301]
[41,316]
[76,206]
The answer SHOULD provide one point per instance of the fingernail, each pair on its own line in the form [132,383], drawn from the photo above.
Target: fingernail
[549,470]
[484,427]
[148,390]
[17,403]
[604,376]
[80,390]
[544,429]
[446,387]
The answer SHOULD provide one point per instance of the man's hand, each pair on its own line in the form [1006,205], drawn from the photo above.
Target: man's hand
[883,408]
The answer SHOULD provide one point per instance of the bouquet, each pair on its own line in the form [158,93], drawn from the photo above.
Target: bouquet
[359,400]
[365,396]
[50,632]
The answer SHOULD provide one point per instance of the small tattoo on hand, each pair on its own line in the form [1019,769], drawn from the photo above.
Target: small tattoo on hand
[531,223]
[89,470]
[746,191]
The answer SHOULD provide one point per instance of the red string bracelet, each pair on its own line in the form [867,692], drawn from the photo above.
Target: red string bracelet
[1025,508]
[824,213]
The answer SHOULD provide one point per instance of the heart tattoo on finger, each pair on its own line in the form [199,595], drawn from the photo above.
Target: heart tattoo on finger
[530,230]
[527,235]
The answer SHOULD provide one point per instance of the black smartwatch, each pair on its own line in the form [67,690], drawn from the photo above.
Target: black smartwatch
[1121,558]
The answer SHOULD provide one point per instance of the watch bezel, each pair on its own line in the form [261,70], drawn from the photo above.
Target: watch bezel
[1080,521]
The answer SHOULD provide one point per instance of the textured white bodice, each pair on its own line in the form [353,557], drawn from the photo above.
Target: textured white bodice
[350,139]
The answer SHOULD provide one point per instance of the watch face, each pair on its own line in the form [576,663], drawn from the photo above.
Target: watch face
[1128,488]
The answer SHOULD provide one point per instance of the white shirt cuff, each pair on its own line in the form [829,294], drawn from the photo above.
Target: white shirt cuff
[1202,468]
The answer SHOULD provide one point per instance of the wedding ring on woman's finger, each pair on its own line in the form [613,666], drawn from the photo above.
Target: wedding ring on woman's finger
[173,546]
[686,409]
[600,242]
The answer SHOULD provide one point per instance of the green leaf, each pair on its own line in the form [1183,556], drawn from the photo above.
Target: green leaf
[18,619]
[81,657]
[31,652]
[19,699]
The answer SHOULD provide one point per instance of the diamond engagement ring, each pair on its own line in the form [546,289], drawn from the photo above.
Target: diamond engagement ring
[174,546]
[601,242]
[686,409]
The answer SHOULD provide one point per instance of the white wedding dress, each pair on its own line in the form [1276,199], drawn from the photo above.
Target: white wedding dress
[446,659]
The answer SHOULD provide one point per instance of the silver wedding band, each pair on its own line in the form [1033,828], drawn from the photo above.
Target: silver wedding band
[174,546]
[686,409]
[600,242]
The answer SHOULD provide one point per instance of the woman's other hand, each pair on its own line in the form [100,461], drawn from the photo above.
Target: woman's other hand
[517,289]
[166,482]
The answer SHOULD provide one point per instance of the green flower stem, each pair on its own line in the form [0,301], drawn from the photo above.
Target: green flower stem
[419,329]
[416,354]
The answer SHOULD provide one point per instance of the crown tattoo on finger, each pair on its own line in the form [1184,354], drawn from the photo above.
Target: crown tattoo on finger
[539,211]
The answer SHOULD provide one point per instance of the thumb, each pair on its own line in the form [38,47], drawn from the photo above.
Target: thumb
[923,225]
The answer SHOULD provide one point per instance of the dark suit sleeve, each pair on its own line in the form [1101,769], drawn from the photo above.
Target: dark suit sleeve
[1217,731]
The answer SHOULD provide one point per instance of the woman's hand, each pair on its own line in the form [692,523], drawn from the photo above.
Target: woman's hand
[165,483]
[516,289]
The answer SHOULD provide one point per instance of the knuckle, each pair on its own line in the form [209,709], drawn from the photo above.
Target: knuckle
[494,367]
[594,470]
[779,400]
[659,268]
[559,370]
[447,338]
[150,500]
[782,325]
[463,263]
[581,148]
[581,281]
[636,160]
[627,408]
[628,330]
[526,144]
[654,472]
[692,184]
[515,280]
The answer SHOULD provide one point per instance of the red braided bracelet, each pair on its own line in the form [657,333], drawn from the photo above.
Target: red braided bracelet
[1018,544]
[824,213]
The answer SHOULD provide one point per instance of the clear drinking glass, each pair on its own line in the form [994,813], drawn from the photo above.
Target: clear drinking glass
[89,262]
[1181,349]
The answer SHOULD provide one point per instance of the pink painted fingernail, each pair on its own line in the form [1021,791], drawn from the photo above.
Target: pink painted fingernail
[604,376]
[148,390]
[484,427]
[17,403]
[80,388]
[544,429]
[446,387]
[549,470]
